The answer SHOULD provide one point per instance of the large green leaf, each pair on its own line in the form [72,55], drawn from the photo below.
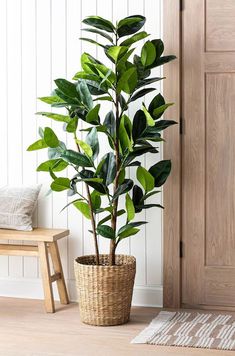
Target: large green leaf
[141,93]
[130,25]
[54,99]
[150,120]
[93,142]
[130,208]
[110,124]
[125,133]
[93,115]
[54,153]
[92,41]
[38,145]
[160,171]
[98,32]
[85,59]
[159,47]
[83,208]
[84,94]
[72,125]
[137,197]
[76,158]
[116,52]
[60,184]
[127,231]
[108,217]
[139,124]
[128,81]
[148,54]
[137,37]
[162,60]
[67,88]
[85,147]
[156,102]
[56,165]
[106,231]
[100,23]
[158,112]
[123,188]
[145,179]
[86,174]
[144,82]
[108,169]
[50,138]
[96,200]
[56,117]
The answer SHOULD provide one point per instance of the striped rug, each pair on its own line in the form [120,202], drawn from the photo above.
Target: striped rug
[191,329]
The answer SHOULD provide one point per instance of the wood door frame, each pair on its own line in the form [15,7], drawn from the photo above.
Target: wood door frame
[172,150]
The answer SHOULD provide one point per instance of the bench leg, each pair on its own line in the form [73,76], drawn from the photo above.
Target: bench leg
[46,277]
[55,256]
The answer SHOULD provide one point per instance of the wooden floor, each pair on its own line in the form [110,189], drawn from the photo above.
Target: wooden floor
[25,330]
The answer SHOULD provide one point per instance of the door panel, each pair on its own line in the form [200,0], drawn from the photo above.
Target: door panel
[208,153]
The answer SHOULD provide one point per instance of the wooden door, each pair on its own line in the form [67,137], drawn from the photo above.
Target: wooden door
[208,153]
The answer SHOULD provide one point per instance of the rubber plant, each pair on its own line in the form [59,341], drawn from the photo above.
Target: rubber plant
[126,78]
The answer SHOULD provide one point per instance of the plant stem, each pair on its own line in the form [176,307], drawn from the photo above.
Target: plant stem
[115,203]
[93,223]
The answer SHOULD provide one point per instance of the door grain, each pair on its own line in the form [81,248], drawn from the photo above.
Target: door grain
[208,151]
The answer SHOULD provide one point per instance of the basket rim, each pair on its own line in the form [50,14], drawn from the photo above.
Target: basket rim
[130,261]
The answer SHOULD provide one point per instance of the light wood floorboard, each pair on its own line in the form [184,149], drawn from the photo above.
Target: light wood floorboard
[26,330]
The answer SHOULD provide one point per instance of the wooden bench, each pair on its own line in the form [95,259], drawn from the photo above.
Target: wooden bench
[45,243]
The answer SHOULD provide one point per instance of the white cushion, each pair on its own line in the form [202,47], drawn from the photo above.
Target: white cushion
[16,207]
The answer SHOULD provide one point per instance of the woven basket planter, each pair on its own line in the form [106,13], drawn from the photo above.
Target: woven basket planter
[105,292]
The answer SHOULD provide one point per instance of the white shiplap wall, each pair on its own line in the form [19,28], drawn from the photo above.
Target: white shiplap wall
[39,43]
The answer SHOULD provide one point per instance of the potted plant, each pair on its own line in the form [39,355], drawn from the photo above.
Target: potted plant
[105,282]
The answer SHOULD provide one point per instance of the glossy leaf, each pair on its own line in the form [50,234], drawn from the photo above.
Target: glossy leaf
[86,174]
[50,138]
[145,179]
[116,52]
[128,81]
[160,171]
[162,60]
[130,208]
[110,124]
[150,120]
[93,115]
[96,200]
[137,197]
[148,54]
[72,125]
[85,147]
[108,217]
[56,117]
[98,32]
[123,188]
[108,168]
[106,231]
[139,124]
[100,23]
[56,165]
[159,47]
[54,99]
[125,133]
[141,93]
[86,58]
[137,37]
[156,102]
[67,88]
[91,41]
[130,25]
[128,231]
[60,184]
[158,112]
[83,208]
[76,158]
[93,142]
[38,145]
[85,94]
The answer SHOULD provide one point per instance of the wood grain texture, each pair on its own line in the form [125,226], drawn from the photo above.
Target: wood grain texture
[220,25]
[46,277]
[38,234]
[63,333]
[208,210]
[171,267]
[56,262]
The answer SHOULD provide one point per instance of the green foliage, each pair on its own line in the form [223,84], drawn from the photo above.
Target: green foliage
[120,81]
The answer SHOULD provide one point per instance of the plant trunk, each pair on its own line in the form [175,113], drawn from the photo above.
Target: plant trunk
[97,255]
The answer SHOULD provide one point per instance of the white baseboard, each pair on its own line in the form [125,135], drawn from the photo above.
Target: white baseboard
[32,289]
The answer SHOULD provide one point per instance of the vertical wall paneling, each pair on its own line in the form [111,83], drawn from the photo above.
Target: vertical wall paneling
[4,114]
[39,42]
